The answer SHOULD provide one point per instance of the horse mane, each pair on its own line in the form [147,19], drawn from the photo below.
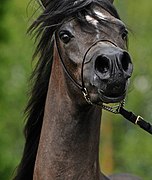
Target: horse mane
[43,28]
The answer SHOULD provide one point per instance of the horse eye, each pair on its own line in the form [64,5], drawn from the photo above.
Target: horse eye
[65,36]
[124,34]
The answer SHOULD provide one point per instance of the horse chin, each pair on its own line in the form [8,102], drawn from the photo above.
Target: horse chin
[111,99]
[100,98]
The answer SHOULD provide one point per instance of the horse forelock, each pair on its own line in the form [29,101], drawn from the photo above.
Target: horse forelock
[56,12]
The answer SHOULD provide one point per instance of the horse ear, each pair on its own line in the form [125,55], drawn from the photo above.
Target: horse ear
[111,1]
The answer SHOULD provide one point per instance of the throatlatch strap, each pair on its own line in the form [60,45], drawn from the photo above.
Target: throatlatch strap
[138,120]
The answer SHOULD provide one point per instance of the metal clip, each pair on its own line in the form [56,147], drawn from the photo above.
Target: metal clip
[86,95]
[114,109]
[138,119]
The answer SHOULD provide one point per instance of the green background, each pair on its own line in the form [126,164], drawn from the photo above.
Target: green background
[124,147]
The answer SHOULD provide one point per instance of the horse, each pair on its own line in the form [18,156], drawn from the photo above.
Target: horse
[83,63]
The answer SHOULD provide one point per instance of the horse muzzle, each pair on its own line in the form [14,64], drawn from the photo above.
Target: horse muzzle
[111,70]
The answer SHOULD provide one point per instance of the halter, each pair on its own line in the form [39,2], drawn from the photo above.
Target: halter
[113,109]
[116,109]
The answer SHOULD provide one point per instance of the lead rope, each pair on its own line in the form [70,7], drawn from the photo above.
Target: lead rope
[137,120]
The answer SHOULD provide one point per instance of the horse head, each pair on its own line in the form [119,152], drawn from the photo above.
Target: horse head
[93,50]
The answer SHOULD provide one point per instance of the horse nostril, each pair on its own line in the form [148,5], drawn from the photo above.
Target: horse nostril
[126,63]
[102,64]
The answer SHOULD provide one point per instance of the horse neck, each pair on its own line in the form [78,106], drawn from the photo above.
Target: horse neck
[69,142]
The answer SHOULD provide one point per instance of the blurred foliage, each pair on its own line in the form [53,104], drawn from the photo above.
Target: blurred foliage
[15,62]
[131,148]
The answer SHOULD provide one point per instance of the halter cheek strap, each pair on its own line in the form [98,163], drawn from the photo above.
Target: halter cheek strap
[64,66]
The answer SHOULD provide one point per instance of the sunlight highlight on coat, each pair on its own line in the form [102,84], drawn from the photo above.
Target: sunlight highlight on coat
[91,20]
[99,14]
